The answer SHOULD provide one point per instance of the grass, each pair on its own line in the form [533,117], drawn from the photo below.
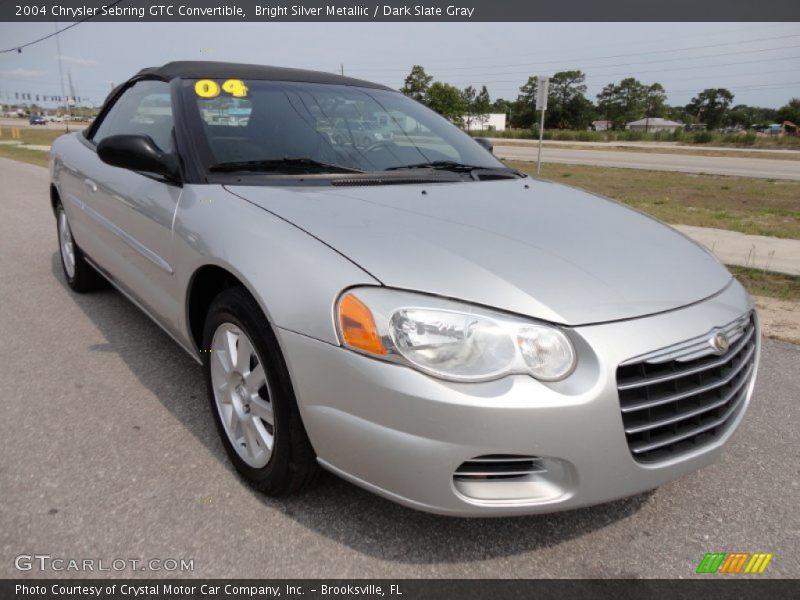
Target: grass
[31,135]
[34,157]
[748,205]
[681,150]
[751,140]
[767,283]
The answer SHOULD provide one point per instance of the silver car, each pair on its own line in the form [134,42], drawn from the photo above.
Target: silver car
[411,315]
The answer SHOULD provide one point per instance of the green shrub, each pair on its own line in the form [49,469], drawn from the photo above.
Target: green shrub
[633,136]
[702,137]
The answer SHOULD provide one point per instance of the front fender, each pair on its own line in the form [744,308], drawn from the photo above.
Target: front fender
[294,277]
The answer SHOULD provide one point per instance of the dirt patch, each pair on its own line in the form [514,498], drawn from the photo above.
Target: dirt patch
[780,319]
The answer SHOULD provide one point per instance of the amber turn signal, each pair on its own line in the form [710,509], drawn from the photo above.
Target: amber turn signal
[358,326]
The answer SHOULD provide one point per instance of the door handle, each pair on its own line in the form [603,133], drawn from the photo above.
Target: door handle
[90,184]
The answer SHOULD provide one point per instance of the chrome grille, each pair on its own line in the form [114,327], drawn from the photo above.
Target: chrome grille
[498,466]
[683,397]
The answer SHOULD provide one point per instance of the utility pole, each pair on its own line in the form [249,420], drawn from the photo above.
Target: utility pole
[61,73]
[341,68]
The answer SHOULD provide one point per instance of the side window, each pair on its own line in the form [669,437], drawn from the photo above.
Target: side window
[144,109]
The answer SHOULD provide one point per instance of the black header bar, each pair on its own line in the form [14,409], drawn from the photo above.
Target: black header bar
[399,11]
[712,587]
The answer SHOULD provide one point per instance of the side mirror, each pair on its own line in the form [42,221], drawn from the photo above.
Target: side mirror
[137,153]
[486,144]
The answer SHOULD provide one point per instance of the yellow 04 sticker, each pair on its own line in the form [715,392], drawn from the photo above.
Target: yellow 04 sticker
[206,88]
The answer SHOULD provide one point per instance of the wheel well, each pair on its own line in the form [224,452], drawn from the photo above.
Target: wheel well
[208,283]
[55,199]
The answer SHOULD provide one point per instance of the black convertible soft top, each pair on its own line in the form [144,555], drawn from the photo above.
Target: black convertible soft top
[222,70]
[200,69]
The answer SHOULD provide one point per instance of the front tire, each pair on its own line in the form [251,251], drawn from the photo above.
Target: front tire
[80,275]
[252,399]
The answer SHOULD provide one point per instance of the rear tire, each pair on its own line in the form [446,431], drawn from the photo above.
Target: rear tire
[252,398]
[80,275]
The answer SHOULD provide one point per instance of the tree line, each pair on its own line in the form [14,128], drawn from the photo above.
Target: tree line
[569,108]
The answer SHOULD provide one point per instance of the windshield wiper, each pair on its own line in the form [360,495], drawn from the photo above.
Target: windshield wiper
[456,167]
[302,164]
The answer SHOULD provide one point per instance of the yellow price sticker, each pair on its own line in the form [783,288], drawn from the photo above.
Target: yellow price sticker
[206,88]
[235,87]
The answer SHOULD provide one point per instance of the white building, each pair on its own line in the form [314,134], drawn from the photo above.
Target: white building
[492,121]
[654,124]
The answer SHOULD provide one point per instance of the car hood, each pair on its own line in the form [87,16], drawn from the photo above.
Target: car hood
[531,247]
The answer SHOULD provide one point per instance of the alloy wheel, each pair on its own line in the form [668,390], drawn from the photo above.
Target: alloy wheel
[242,395]
[66,244]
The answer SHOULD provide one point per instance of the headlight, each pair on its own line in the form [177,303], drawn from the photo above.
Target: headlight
[448,339]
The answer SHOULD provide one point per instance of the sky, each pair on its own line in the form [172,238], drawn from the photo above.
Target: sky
[758,62]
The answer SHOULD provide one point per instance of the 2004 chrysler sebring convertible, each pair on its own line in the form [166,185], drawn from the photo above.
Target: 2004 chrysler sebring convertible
[401,308]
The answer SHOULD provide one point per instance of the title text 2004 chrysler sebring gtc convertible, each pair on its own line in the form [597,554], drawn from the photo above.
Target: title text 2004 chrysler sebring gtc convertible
[370,290]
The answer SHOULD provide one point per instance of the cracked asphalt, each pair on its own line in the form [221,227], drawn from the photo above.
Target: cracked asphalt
[109,451]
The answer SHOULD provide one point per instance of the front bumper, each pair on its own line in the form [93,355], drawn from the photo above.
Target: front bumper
[402,434]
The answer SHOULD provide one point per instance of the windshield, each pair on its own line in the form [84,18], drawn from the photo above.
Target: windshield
[249,123]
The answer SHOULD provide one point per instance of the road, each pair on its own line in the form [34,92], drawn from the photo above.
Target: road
[109,450]
[690,163]
[527,151]
[7,123]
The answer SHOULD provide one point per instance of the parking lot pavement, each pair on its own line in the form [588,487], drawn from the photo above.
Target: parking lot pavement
[109,451]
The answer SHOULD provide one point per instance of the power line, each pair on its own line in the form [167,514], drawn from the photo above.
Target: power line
[776,86]
[568,60]
[647,72]
[18,48]
[564,64]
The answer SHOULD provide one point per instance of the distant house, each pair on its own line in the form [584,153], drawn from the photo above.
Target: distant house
[775,129]
[654,124]
[601,125]
[492,122]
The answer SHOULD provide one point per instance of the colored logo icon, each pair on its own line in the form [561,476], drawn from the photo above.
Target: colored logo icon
[734,563]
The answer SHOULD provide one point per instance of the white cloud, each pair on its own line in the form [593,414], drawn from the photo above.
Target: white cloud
[20,73]
[86,62]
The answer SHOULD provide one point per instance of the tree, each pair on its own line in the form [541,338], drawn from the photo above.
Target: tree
[789,112]
[476,105]
[523,112]
[416,83]
[483,102]
[566,85]
[655,100]
[745,116]
[624,102]
[567,107]
[710,106]
[445,99]
[468,100]
[679,114]
[501,106]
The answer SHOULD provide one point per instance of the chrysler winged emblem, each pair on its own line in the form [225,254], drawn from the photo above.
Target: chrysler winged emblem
[719,342]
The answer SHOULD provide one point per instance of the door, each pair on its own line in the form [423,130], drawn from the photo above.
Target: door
[132,212]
